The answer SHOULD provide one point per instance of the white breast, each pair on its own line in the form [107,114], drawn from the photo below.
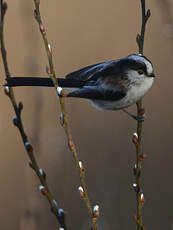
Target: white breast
[135,93]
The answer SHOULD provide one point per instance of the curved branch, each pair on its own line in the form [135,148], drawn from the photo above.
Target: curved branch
[64,119]
[17,121]
[138,137]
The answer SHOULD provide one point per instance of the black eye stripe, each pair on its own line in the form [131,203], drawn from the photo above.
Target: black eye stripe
[132,64]
[140,66]
[140,71]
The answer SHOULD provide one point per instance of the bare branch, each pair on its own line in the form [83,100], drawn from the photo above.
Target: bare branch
[140,37]
[17,121]
[64,119]
[138,136]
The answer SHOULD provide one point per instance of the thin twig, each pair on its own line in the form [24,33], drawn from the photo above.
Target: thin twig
[17,120]
[137,138]
[64,119]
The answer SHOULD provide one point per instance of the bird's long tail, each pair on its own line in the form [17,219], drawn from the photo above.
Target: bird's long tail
[43,82]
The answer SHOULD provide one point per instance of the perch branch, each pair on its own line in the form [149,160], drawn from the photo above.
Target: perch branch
[137,137]
[63,117]
[17,121]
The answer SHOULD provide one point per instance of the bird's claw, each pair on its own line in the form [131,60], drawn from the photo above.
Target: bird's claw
[139,118]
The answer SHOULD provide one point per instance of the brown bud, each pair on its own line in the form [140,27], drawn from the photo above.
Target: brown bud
[142,198]
[136,188]
[81,191]
[42,29]
[135,138]
[148,14]
[35,14]
[50,48]
[96,211]
[29,147]
[81,166]
[71,145]
[6,90]
[135,169]
[42,173]
[138,39]
[141,112]
[143,156]
[15,121]
[61,214]
[48,70]
[43,190]
[136,219]
[20,106]
[62,119]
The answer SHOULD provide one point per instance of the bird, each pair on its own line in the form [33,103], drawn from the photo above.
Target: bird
[111,85]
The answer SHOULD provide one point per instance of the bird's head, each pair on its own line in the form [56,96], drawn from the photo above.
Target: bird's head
[138,68]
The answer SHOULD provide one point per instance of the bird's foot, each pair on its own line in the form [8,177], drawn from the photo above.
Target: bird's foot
[140,118]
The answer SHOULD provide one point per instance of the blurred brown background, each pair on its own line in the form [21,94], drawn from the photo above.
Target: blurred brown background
[83,33]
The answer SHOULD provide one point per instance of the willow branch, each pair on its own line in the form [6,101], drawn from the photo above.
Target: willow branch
[137,138]
[64,119]
[17,121]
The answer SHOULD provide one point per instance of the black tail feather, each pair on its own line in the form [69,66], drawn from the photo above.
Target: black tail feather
[42,81]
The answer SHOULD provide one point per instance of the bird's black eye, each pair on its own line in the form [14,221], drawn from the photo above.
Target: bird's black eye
[140,71]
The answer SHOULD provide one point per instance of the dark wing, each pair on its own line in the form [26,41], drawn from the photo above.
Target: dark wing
[84,73]
[103,81]
[96,72]
[97,94]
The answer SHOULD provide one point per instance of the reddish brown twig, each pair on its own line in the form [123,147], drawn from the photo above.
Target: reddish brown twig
[64,120]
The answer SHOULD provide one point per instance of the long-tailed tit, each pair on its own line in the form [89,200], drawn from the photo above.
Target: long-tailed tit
[109,85]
